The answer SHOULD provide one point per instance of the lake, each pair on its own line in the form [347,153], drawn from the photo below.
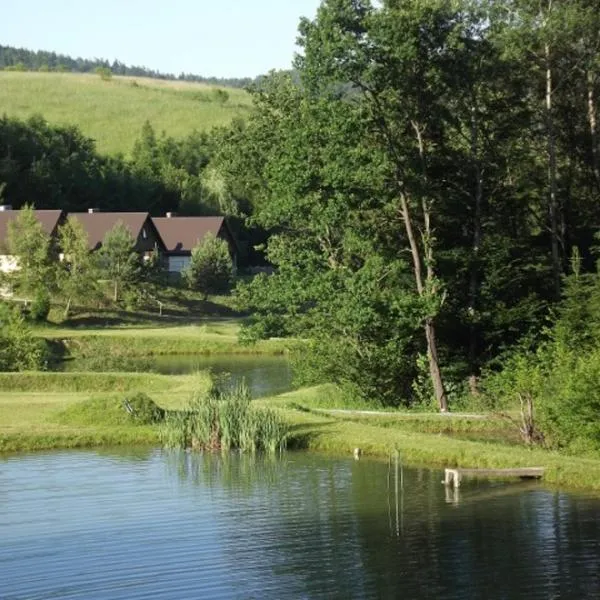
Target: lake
[140,524]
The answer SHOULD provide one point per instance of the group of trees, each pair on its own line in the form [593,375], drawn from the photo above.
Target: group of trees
[59,167]
[65,268]
[426,183]
[21,59]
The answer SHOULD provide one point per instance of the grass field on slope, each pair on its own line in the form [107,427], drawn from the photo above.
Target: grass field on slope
[113,112]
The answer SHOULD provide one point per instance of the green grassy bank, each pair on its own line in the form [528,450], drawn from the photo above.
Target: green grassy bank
[209,337]
[113,112]
[41,411]
[44,414]
[428,440]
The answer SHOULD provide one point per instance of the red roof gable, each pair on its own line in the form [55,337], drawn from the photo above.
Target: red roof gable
[49,219]
[181,234]
[98,224]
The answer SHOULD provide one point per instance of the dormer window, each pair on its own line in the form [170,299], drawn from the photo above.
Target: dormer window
[144,234]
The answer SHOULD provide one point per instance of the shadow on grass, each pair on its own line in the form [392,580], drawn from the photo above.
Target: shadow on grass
[300,439]
[120,318]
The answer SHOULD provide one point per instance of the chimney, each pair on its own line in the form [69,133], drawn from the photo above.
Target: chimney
[5,207]
[91,211]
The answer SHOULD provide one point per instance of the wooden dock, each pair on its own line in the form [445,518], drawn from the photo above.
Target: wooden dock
[454,476]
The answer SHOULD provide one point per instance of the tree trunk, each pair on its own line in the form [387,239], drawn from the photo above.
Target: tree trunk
[553,192]
[67,307]
[432,356]
[116,291]
[591,111]
[434,366]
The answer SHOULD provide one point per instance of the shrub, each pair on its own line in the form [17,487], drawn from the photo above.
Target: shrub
[114,411]
[19,349]
[142,409]
[40,306]
[211,269]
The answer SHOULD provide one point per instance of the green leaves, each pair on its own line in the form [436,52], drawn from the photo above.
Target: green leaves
[118,259]
[19,349]
[211,269]
[77,275]
[30,246]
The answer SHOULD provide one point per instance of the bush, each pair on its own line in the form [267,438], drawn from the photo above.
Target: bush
[40,306]
[563,389]
[211,269]
[142,409]
[19,349]
[114,411]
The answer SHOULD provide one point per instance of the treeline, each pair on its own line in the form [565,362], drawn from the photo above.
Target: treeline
[58,167]
[21,59]
[428,183]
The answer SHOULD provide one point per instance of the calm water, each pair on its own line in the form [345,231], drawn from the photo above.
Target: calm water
[264,375]
[128,526]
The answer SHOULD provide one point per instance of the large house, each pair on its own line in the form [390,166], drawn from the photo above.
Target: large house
[50,220]
[182,234]
[97,224]
[174,237]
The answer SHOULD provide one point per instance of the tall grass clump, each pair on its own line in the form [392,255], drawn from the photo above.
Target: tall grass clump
[224,420]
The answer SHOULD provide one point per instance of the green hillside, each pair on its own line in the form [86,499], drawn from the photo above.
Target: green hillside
[113,112]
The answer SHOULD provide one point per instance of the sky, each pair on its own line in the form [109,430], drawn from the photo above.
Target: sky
[221,38]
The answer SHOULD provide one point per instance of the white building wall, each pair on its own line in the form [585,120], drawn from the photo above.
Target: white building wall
[8,263]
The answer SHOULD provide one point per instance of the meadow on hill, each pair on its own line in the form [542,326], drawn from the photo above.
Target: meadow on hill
[113,111]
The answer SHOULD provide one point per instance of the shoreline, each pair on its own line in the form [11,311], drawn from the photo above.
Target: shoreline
[339,437]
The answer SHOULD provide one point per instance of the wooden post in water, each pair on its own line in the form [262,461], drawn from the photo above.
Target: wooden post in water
[455,476]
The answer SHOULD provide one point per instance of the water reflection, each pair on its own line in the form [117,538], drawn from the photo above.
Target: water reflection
[184,525]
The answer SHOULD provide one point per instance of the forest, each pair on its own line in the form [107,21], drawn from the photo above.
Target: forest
[429,179]
[21,59]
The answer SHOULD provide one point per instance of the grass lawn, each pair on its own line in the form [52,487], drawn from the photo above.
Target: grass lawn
[215,336]
[32,413]
[113,112]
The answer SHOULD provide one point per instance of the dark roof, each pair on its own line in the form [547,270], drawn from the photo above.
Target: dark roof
[48,218]
[181,234]
[98,224]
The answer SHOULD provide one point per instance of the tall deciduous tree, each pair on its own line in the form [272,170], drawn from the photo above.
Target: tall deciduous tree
[77,277]
[31,248]
[118,260]
[397,58]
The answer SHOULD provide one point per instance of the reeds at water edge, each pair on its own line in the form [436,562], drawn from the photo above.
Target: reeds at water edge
[224,420]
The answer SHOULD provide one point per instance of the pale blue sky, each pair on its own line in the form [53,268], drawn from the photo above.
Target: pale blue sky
[223,38]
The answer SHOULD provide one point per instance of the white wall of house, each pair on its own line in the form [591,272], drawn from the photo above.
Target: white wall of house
[177,264]
[8,263]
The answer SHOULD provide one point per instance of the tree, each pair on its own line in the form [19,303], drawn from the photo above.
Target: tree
[77,276]
[104,73]
[118,259]
[31,247]
[19,349]
[211,269]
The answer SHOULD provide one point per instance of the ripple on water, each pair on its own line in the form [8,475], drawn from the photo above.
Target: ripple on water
[118,525]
